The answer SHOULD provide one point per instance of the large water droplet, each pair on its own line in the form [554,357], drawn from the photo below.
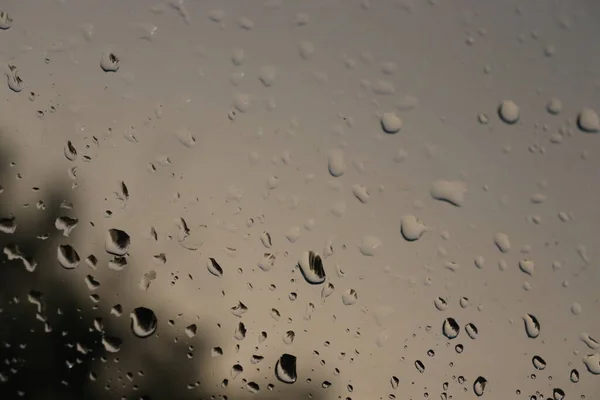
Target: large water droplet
[412,228]
[214,268]
[479,386]
[67,256]
[391,123]
[532,326]
[450,328]
[311,267]
[117,242]
[508,111]
[143,322]
[502,242]
[472,330]
[592,363]
[369,245]
[588,120]
[539,363]
[336,163]
[558,394]
[452,192]
[285,369]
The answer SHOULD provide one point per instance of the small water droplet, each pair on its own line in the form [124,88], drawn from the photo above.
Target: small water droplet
[554,106]
[143,322]
[265,238]
[588,120]
[532,326]
[420,366]
[6,20]
[267,75]
[112,344]
[440,303]
[391,123]
[285,369]
[239,309]
[576,308]
[311,267]
[508,111]
[191,330]
[214,268]
[412,228]
[574,376]
[472,330]
[349,297]
[592,363]
[539,363]
[13,79]
[288,337]
[67,256]
[394,381]
[502,242]
[361,193]
[66,224]
[109,62]
[117,242]
[327,291]
[527,266]
[70,151]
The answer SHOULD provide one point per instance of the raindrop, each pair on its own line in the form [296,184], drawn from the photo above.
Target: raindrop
[15,83]
[588,120]
[112,344]
[349,297]
[5,20]
[361,193]
[527,266]
[450,328]
[420,366]
[285,369]
[532,326]
[8,224]
[267,75]
[327,291]
[508,111]
[459,348]
[502,242]
[66,224]
[452,192]
[539,363]
[265,238]
[391,123]
[576,308]
[67,256]
[117,242]
[240,331]
[109,62]
[239,309]
[116,310]
[574,376]
[554,106]
[479,386]
[464,302]
[311,267]
[117,263]
[440,303]
[592,363]
[143,322]
[214,267]
[288,337]
[369,245]
[336,163]
[472,331]
[394,381]
[268,262]
[412,228]
[191,330]
[70,151]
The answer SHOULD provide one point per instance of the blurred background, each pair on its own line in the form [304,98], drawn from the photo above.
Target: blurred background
[318,199]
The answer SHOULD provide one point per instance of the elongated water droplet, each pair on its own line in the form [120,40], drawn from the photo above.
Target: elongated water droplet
[67,256]
[265,238]
[239,309]
[336,163]
[574,376]
[214,268]
[452,192]
[394,381]
[502,242]
[327,291]
[450,328]
[191,330]
[592,363]
[532,326]
[472,331]
[285,369]
[288,337]
[420,366]
[117,242]
[143,322]
[311,267]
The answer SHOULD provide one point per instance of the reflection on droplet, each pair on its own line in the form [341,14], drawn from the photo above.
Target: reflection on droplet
[532,326]
[285,369]
[8,224]
[412,228]
[239,309]
[508,111]
[450,328]
[539,363]
[311,267]
[143,322]
[67,256]
[349,297]
[369,245]
[117,242]
[479,386]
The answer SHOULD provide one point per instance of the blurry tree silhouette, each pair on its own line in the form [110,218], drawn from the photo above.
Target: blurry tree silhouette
[50,344]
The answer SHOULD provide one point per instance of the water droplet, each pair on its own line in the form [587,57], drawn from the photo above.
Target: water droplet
[502,242]
[459,348]
[288,337]
[472,330]
[109,62]
[117,242]
[538,363]
[420,366]
[464,302]
[394,381]
[116,310]
[13,79]
[112,344]
[558,394]
[479,262]
[66,225]
[268,262]
[479,386]
[265,238]
[6,20]
[336,163]
[311,267]
[412,228]
[285,369]
[391,123]
[242,102]
[67,256]
[143,322]
[214,268]
[327,291]
[267,75]
[450,328]
[532,326]
[70,151]
[306,49]
[554,106]
[508,111]
[8,224]
[361,193]
[440,303]
[185,137]
[588,120]
[574,376]
[452,192]
[576,308]
[369,245]
[349,297]
[240,331]
[238,56]
[527,266]
[91,283]
[592,363]
[117,263]
[246,23]
[239,309]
